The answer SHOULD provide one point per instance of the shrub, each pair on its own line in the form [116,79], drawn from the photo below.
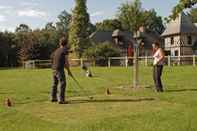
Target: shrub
[101,52]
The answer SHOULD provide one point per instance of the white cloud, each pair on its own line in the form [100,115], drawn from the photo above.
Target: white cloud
[29,4]
[98,13]
[5,7]
[32,13]
[6,10]
[4,28]
[2,18]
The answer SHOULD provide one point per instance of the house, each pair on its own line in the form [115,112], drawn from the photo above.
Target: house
[124,41]
[148,38]
[101,36]
[180,36]
[119,39]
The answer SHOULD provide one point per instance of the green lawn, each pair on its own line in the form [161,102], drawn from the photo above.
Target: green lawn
[126,109]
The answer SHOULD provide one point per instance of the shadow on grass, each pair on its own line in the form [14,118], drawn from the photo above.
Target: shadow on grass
[29,101]
[83,101]
[4,68]
[6,93]
[110,100]
[181,90]
[9,68]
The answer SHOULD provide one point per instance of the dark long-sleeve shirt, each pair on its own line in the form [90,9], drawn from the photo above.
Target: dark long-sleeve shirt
[58,58]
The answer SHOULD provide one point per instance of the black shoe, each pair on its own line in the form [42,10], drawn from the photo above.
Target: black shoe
[54,100]
[63,102]
[159,90]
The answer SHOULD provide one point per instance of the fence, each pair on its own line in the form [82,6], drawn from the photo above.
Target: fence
[148,60]
[117,61]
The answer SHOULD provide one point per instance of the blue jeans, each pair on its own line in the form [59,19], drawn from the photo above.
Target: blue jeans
[58,76]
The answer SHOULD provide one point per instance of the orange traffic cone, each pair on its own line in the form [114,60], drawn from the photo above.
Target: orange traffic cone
[8,102]
[108,91]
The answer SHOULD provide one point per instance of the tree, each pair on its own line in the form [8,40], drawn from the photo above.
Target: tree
[23,28]
[4,50]
[48,41]
[193,15]
[30,47]
[36,44]
[91,28]
[64,20]
[183,4]
[132,16]
[78,30]
[50,27]
[152,21]
[8,49]
[102,52]
[109,25]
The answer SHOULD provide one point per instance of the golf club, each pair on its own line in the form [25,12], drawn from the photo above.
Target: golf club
[77,83]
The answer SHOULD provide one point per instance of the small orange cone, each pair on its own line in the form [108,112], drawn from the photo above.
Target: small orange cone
[8,102]
[108,91]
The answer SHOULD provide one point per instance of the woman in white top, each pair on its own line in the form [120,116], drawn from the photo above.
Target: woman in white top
[159,60]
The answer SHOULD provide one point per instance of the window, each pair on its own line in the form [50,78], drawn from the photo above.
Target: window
[167,53]
[189,40]
[172,40]
[176,52]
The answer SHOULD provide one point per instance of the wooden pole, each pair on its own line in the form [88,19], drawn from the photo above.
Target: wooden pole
[135,68]
[194,60]
[109,62]
[169,64]
[81,62]
[146,60]
[126,61]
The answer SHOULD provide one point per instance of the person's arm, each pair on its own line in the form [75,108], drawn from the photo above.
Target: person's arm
[162,54]
[67,66]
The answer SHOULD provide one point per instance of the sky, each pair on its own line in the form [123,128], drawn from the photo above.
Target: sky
[36,13]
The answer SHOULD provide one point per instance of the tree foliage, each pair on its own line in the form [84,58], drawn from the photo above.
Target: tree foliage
[193,15]
[78,30]
[109,25]
[64,20]
[132,16]
[8,49]
[183,4]
[23,28]
[101,52]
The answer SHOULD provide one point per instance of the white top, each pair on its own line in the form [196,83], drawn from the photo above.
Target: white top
[157,56]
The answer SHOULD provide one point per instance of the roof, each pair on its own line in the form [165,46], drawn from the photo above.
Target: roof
[195,45]
[103,36]
[117,33]
[181,25]
[149,38]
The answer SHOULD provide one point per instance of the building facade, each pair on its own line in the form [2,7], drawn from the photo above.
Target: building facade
[180,37]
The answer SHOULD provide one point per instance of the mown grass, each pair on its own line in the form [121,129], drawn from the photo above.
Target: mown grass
[126,109]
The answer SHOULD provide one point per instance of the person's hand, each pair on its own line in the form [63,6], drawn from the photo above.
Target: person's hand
[155,63]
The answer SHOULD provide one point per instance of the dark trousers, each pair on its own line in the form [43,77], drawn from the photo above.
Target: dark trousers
[58,76]
[157,73]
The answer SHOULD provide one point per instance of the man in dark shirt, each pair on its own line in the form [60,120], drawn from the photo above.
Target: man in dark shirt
[59,61]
